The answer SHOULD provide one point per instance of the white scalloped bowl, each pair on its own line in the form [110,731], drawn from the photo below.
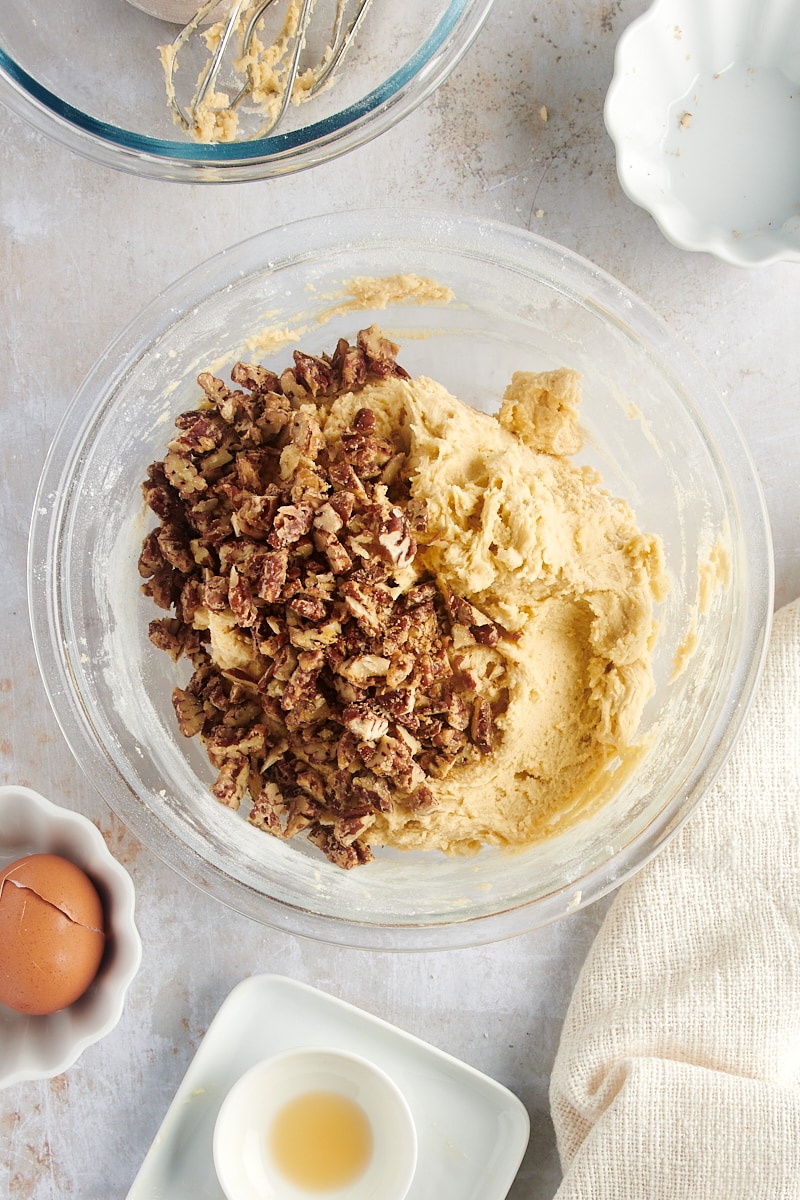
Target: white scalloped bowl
[704,111]
[41,1047]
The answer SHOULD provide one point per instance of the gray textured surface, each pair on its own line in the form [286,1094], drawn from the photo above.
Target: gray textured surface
[82,249]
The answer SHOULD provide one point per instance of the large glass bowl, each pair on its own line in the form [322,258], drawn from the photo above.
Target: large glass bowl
[656,431]
[88,73]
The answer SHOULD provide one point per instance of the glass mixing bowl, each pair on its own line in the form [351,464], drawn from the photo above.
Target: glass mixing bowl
[656,431]
[88,73]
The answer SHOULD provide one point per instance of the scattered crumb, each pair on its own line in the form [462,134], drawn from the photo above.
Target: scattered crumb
[539,213]
[678,33]
[543,114]
[685,120]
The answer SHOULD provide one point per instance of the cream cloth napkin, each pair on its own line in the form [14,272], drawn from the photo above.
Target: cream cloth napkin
[678,1072]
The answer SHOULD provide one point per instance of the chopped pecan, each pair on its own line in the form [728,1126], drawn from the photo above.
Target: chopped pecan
[338,559]
[369,603]
[316,375]
[169,634]
[365,453]
[368,788]
[231,783]
[310,608]
[396,539]
[240,599]
[364,722]
[364,697]
[151,558]
[254,378]
[272,575]
[364,668]
[204,432]
[291,522]
[350,364]
[353,855]
[189,712]
[173,542]
[422,799]
[183,475]
[482,725]
[380,353]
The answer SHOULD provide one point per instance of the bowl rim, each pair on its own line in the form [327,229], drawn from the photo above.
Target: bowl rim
[262,158]
[466,235]
[637,183]
[126,934]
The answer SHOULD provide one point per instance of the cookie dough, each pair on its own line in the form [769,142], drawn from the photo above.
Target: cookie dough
[540,547]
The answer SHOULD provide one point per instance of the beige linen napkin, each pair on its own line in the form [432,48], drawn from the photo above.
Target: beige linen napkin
[678,1072]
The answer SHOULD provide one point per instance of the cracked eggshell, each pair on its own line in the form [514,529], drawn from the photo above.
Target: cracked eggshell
[51,934]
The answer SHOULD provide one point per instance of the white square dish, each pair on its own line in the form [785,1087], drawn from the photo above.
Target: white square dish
[472,1132]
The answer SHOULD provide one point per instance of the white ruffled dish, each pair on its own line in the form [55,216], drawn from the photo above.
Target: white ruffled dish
[41,1047]
[704,111]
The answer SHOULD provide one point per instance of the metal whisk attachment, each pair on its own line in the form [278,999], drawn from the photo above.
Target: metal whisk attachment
[234,44]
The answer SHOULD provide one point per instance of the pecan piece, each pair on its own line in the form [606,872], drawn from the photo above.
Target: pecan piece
[328,544]
[272,576]
[189,712]
[482,725]
[365,722]
[396,539]
[380,353]
[240,599]
[231,783]
[291,522]
[368,603]
[169,634]
[183,475]
[365,453]
[254,378]
[151,558]
[367,788]
[350,364]
[316,375]
[340,855]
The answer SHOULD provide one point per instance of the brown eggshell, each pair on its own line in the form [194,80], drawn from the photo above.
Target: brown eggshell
[51,934]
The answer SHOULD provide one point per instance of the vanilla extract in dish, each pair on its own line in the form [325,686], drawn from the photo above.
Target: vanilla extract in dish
[321,1141]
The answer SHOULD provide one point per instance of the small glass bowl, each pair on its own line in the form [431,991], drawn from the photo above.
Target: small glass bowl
[704,110]
[88,73]
[43,1046]
[655,429]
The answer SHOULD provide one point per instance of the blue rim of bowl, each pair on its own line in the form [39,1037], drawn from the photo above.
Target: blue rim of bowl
[385,98]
